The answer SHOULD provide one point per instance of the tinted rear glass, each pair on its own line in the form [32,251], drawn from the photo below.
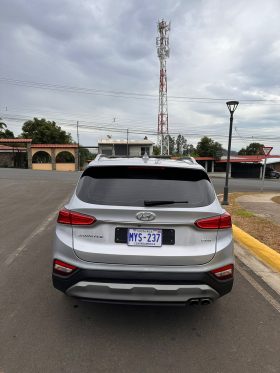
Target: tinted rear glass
[132,185]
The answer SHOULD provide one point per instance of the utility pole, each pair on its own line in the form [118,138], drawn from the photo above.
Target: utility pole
[163,51]
[78,141]
[127,148]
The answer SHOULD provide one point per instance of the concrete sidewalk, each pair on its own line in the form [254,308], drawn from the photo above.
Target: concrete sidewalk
[262,205]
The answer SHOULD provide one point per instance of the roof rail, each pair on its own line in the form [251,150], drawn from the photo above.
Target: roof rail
[187,158]
[97,158]
[162,156]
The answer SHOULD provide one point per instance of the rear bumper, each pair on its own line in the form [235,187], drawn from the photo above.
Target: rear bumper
[152,287]
[140,292]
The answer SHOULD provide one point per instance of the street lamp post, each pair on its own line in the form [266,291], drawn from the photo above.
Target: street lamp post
[232,105]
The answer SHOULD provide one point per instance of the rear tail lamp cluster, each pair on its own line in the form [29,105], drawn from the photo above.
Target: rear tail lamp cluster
[224,273]
[63,268]
[74,218]
[215,222]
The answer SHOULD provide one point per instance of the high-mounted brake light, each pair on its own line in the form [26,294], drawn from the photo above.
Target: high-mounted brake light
[215,222]
[74,218]
[224,273]
[63,268]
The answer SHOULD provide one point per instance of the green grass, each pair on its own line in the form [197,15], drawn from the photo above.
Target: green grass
[243,213]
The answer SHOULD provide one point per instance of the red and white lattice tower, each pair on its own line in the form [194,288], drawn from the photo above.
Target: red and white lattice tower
[163,53]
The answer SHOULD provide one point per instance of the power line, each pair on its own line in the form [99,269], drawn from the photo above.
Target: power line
[25,117]
[74,117]
[126,94]
[242,138]
[101,128]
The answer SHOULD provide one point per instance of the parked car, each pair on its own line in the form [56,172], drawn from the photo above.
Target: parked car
[272,174]
[144,230]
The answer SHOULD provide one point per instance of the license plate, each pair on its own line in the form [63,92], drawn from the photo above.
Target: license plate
[144,237]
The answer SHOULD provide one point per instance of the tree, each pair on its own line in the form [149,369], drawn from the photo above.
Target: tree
[190,150]
[5,134]
[181,144]
[85,155]
[171,144]
[252,149]
[156,150]
[207,147]
[2,124]
[42,131]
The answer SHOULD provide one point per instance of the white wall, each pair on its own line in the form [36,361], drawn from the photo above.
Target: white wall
[135,150]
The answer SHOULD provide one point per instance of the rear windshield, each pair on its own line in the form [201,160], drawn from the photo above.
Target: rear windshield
[132,185]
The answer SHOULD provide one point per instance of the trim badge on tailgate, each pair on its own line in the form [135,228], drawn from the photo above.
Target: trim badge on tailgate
[145,216]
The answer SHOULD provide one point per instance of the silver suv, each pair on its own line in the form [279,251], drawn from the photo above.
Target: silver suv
[144,230]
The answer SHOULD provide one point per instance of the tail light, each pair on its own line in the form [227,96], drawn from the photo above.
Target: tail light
[224,273]
[215,222]
[74,218]
[63,268]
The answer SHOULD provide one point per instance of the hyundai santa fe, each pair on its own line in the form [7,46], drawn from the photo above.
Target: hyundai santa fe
[144,230]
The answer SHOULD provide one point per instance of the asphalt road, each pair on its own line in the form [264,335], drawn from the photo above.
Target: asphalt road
[42,330]
[247,185]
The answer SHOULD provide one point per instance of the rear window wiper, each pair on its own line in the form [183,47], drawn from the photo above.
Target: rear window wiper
[155,203]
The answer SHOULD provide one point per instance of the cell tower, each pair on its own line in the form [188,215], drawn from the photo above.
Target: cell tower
[163,53]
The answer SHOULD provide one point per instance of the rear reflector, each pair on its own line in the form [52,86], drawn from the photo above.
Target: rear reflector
[224,273]
[63,268]
[215,222]
[74,218]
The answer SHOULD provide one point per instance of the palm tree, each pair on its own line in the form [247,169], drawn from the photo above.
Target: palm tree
[2,124]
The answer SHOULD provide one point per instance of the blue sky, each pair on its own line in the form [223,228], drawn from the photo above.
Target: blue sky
[105,50]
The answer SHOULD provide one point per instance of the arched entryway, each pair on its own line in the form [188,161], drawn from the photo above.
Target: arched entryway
[59,157]
[42,160]
[65,161]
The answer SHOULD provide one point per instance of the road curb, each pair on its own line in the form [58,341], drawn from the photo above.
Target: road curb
[264,252]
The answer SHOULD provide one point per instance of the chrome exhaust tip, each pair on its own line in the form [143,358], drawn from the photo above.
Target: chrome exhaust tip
[194,302]
[205,301]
